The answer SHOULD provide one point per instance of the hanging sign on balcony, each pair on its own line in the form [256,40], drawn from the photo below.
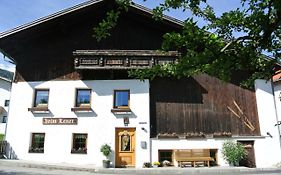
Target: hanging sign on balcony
[60,121]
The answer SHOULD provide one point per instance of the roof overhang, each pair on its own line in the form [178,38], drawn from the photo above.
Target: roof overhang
[78,7]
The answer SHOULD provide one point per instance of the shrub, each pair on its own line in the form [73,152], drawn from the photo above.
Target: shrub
[1,137]
[106,150]
[233,152]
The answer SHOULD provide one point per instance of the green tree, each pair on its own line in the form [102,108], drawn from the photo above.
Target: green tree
[219,53]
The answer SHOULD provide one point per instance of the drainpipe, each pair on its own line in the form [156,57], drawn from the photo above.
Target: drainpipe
[275,108]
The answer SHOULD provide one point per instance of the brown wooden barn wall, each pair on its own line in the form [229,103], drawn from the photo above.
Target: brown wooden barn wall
[199,104]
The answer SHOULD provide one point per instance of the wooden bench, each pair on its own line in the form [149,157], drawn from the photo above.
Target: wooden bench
[193,157]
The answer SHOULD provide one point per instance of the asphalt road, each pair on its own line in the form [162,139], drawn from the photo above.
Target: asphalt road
[14,170]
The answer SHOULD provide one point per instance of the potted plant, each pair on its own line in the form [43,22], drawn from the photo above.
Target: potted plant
[146,165]
[166,163]
[233,152]
[106,150]
[156,164]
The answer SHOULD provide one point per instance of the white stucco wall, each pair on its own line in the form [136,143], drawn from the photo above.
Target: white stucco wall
[99,125]
[268,150]
[5,88]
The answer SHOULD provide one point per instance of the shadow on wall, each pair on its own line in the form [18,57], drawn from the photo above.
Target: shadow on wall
[263,85]
[112,158]
[90,113]
[171,90]
[106,87]
[122,115]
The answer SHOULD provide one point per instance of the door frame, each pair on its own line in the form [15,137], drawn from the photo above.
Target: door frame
[250,160]
[117,144]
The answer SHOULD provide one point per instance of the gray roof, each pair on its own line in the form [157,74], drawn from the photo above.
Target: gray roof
[75,8]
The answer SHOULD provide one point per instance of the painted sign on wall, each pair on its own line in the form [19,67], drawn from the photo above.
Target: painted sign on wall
[60,121]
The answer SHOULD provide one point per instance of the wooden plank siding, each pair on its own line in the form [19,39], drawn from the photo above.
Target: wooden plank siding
[199,105]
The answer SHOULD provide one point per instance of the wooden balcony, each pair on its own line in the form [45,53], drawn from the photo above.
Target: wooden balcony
[122,59]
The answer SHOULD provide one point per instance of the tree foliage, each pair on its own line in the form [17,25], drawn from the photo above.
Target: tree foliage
[105,149]
[222,52]
[233,152]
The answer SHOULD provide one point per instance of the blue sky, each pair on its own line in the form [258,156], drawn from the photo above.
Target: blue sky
[17,12]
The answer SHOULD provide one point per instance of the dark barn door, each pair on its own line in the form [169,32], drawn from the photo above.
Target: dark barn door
[250,160]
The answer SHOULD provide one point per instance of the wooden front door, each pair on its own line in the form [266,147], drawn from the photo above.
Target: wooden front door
[125,147]
[249,160]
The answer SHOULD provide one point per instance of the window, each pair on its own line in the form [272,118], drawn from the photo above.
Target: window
[83,97]
[79,144]
[121,98]
[4,120]
[125,142]
[37,143]
[41,98]
[7,102]
[165,155]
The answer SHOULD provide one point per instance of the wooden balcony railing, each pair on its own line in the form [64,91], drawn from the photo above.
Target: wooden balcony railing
[122,59]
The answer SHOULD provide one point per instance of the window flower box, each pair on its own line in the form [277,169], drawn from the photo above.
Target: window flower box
[79,151]
[36,150]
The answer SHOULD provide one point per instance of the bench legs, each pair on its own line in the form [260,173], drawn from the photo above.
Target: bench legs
[193,163]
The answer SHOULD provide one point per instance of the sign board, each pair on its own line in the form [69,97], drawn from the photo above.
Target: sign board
[60,121]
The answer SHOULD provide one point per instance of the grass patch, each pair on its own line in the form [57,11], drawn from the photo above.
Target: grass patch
[1,137]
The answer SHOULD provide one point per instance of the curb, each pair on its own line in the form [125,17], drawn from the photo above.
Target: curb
[17,163]
[188,171]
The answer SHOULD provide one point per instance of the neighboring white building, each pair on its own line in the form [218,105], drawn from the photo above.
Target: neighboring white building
[268,96]
[5,89]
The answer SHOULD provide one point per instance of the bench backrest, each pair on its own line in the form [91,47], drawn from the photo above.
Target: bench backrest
[192,153]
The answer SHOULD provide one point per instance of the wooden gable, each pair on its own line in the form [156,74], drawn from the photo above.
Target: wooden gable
[45,51]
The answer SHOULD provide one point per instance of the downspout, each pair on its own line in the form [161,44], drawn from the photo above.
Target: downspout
[275,108]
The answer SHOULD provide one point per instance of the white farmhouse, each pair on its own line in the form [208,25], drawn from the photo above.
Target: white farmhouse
[72,94]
